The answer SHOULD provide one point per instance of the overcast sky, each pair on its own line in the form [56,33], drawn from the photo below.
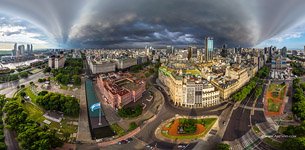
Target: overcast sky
[136,23]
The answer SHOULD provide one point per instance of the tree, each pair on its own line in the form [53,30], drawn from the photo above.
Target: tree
[42,93]
[76,80]
[23,74]
[40,80]
[132,126]
[22,94]
[54,101]
[47,69]
[294,143]
[130,112]
[2,101]
[223,146]
[2,146]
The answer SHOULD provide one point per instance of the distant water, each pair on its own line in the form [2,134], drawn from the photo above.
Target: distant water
[14,65]
[5,52]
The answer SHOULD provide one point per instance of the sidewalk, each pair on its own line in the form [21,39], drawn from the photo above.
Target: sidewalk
[83,133]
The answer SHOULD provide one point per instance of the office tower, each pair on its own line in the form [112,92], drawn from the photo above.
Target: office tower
[192,53]
[209,47]
[270,51]
[31,48]
[224,51]
[284,52]
[20,50]
[28,48]
[170,49]
[15,47]
[265,50]
[14,51]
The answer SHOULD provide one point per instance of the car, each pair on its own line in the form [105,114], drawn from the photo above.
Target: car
[224,123]
[130,140]
[148,147]
[181,146]
[123,142]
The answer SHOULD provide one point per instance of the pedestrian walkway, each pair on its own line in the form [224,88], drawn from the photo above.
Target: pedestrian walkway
[250,108]
[83,133]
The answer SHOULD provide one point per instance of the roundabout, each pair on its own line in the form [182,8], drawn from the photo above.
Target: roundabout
[184,129]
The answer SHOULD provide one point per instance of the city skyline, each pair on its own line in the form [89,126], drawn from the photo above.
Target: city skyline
[96,24]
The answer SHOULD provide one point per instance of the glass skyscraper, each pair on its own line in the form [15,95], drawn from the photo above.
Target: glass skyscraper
[209,47]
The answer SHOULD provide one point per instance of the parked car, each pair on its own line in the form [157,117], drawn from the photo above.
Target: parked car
[224,123]
[180,146]
[123,142]
[130,140]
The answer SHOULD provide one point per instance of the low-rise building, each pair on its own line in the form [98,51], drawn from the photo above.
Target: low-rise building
[278,62]
[101,66]
[124,63]
[234,79]
[119,89]
[187,88]
[56,61]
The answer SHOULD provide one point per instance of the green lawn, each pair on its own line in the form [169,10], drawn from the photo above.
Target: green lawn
[282,93]
[282,129]
[208,124]
[65,126]
[273,107]
[35,71]
[34,112]
[256,129]
[29,92]
[117,129]
[272,143]
[274,88]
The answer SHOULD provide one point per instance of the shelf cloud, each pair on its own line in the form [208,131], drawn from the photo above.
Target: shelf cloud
[136,23]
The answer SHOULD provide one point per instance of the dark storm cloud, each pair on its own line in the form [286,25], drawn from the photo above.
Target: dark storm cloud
[55,16]
[136,23]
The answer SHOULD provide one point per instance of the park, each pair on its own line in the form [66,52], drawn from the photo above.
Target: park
[275,99]
[186,129]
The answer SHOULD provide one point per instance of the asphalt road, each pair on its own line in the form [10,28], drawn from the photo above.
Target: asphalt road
[168,111]
[239,124]
[9,88]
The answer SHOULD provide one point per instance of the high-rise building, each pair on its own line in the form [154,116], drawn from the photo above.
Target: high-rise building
[15,47]
[170,49]
[192,53]
[14,51]
[265,50]
[20,51]
[28,49]
[224,51]
[31,48]
[209,47]
[270,51]
[284,52]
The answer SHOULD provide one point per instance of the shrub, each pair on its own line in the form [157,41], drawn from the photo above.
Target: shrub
[132,126]
[42,93]
[23,94]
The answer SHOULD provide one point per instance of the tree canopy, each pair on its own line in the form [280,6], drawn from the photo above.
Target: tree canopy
[54,101]
[70,73]
[298,106]
[30,134]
